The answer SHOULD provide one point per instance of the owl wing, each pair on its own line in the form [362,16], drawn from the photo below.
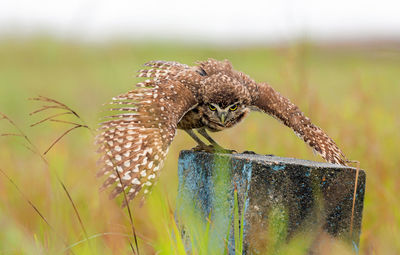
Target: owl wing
[268,100]
[135,139]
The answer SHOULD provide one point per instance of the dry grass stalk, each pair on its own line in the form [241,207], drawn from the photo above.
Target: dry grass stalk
[54,104]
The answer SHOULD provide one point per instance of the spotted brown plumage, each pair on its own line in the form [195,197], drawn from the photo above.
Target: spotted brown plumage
[210,96]
[289,114]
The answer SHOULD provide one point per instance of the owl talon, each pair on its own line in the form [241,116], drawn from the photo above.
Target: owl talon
[224,151]
[205,148]
[213,149]
[248,152]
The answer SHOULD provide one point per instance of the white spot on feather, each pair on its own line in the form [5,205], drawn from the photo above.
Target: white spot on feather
[126,177]
[109,163]
[136,181]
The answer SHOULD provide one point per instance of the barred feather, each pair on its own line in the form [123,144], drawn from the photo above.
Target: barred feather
[273,103]
[142,123]
[136,141]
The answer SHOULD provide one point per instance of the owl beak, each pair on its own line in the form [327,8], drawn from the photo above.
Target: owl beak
[222,117]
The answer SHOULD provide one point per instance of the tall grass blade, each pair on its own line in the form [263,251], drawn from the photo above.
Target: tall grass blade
[128,209]
[59,138]
[34,207]
[60,105]
[354,196]
[179,243]
[35,149]
[236,222]
[49,118]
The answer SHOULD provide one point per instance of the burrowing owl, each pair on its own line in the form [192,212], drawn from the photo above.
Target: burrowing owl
[208,96]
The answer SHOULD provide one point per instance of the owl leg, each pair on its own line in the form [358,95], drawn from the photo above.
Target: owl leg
[195,137]
[203,132]
[217,147]
[201,145]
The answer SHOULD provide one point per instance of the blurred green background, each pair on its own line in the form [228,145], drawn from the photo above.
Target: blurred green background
[350,91]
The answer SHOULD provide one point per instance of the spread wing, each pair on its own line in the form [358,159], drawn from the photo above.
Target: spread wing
[271,102]
[135,139]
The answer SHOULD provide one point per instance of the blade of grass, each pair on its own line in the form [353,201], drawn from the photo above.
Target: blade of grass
[46,107]
[179,245]
[127,207]
[69,122]
[34,207]
[75,209]
[236,221]
[50,117]
[59,138]
[241,237]
[226,241]
[58,103]
[26,198]
[37,152]
[100,235]
[77,125]
[354,195]
[11,134]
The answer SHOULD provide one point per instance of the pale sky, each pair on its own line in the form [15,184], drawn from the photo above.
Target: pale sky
[203,20]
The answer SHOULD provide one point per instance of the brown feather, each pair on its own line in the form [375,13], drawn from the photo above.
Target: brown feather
[273,103]
[135,137]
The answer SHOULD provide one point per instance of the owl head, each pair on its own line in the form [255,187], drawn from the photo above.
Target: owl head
[225,100]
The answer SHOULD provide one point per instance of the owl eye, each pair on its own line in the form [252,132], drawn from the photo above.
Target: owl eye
[233,108]
[212,108]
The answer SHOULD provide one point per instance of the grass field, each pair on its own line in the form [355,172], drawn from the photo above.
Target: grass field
[352,93]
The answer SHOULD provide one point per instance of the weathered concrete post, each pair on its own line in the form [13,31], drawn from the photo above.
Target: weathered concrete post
[279,199]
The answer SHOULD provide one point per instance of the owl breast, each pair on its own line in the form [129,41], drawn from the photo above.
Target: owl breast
[191,120]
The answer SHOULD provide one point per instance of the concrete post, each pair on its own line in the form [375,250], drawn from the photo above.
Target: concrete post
[279,199]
